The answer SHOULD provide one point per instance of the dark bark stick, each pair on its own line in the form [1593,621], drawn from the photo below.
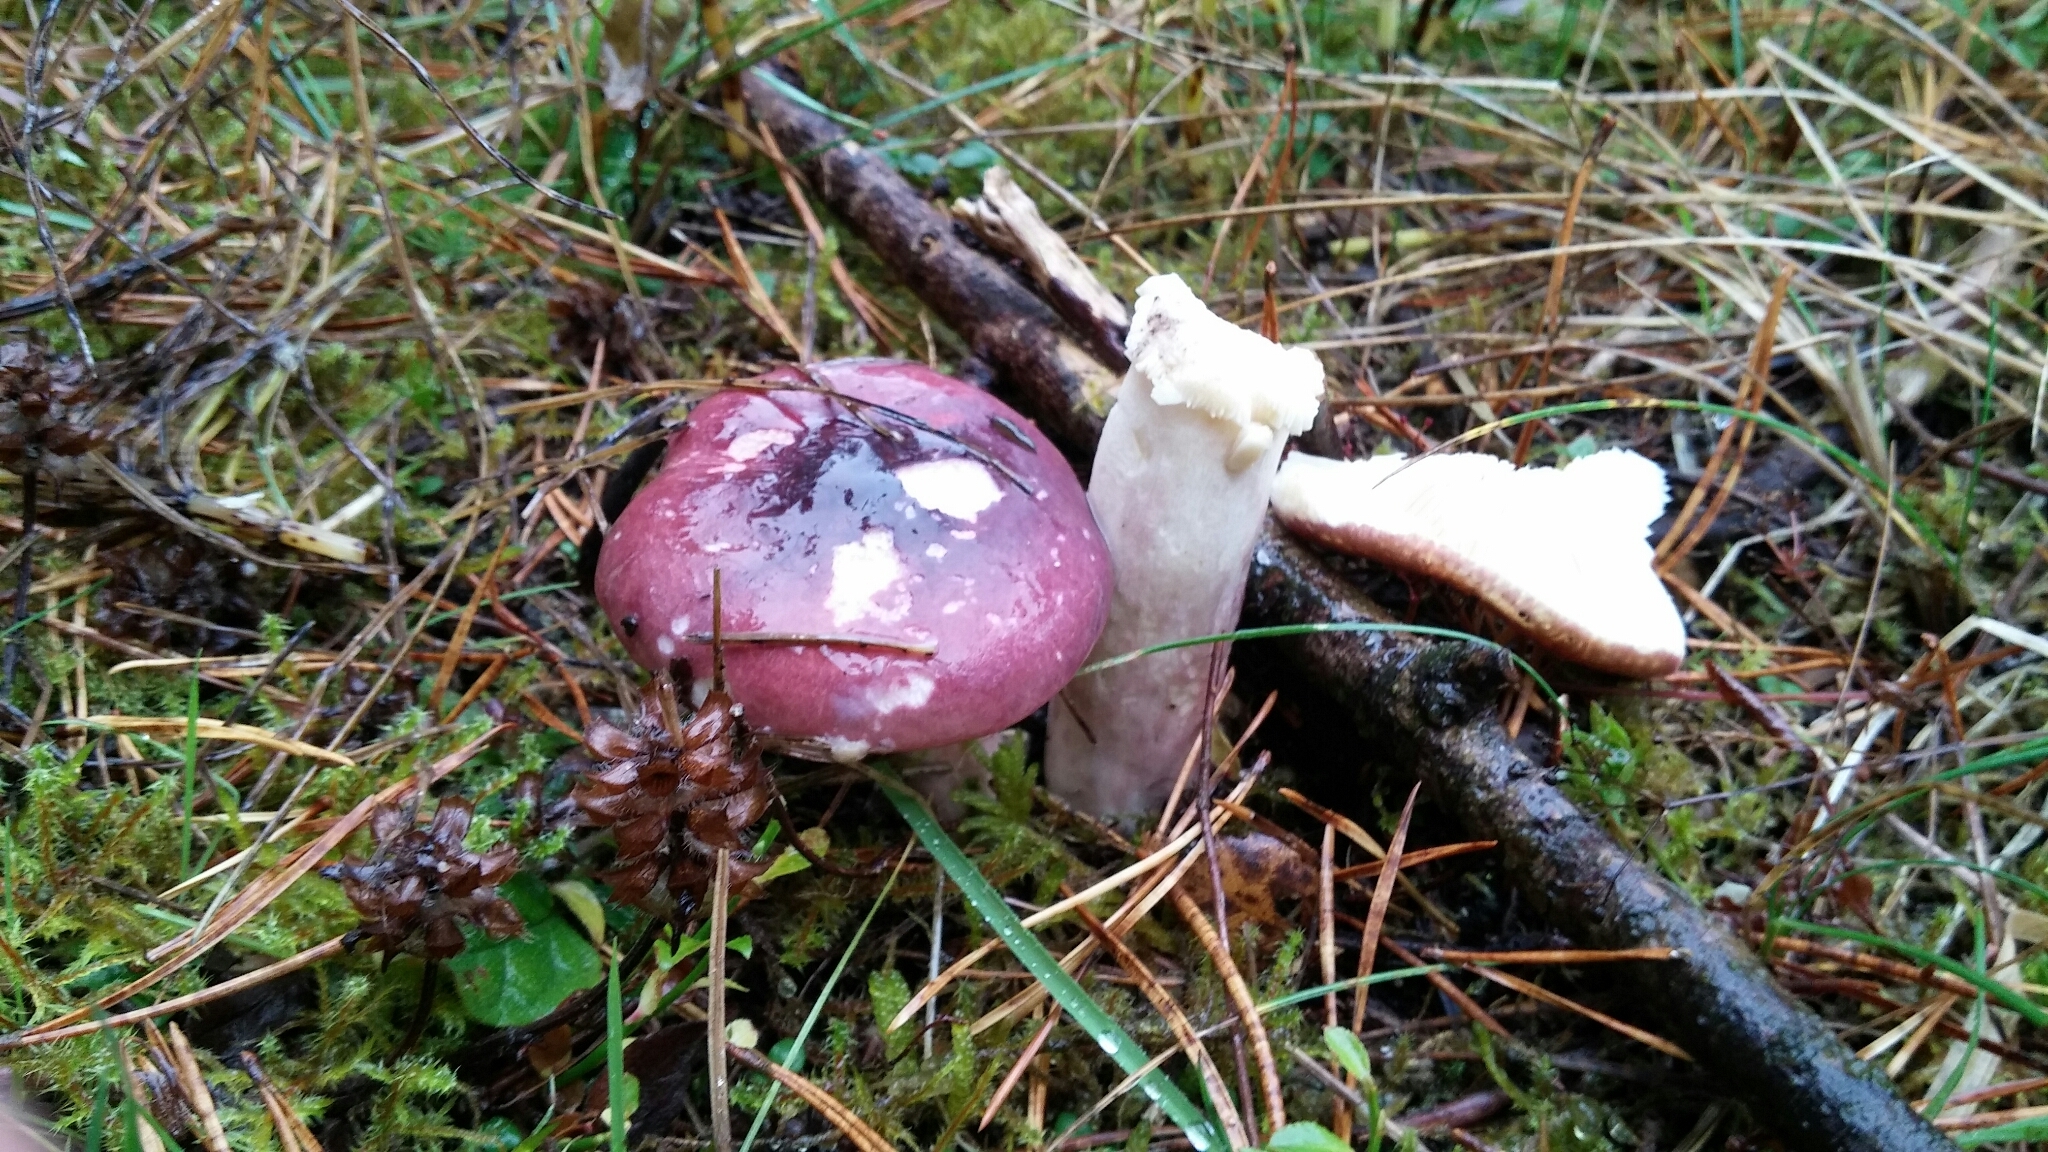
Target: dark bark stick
[1429,704]
[1042,368]
[1434,705]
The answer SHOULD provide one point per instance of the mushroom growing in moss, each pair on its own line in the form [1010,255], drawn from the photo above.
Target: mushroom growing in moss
[906,562]
[1560,552]
[1180,485]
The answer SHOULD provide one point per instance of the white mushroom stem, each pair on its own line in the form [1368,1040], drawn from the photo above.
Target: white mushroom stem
[1180,483]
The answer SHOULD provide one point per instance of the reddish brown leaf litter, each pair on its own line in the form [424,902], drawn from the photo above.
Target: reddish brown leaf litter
[419,887]
[35,398]
[673,794]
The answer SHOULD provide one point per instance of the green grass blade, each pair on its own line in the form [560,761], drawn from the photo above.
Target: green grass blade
[2018,1132]
[1998,874]
[2032,1012]
[2018,754]
[615,1056]
[1064,989]
[1280,630]
[1319,991]
[1868,812]
[1819,444]
[784,43]
[795,1061]
[804,100]
[1014,76]
[1735,36]
[1937,1102]
[36,617]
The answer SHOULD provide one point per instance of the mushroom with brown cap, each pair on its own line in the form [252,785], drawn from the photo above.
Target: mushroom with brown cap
[1180,485]
[906,563]
[1560,552]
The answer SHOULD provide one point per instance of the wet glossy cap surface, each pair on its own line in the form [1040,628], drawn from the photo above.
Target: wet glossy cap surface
[947,524]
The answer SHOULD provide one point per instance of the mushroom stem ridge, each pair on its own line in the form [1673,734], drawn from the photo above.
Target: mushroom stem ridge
[1180,485]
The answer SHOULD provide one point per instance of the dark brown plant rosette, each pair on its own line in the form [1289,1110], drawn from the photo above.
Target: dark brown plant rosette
[38,398]
[673,793]
[419,887]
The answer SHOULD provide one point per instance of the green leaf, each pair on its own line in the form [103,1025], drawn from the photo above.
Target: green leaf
[529,897]
[506,983]
[55,216]
[973,155]
[917,165]
[583,904]
[1349,1050]
[1306,1136]
[792,861]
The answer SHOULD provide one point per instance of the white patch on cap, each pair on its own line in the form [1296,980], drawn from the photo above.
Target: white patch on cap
[861,573]
[665,646]
[748,445]
[844,750]
[959,488]
[935,551]
[914,692]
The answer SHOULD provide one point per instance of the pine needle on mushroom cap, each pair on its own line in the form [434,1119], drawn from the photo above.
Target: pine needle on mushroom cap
[1561,552]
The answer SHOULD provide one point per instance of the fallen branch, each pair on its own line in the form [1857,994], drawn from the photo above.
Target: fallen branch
[1427,704]
[1432,705]
[118,279]
[1043,368]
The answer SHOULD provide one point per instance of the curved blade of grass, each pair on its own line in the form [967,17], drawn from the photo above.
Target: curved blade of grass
[2016,1133]
[1279,630]
[1013,76]
[1064,989]
[775,47]
[795,1060]
[1855,821]
[1321,990]
[1999,874]
[1939,1100]
[1846,460]
[2011,998]
[615,1056]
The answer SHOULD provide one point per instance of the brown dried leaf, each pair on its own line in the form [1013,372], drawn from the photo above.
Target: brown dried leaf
[1258,872]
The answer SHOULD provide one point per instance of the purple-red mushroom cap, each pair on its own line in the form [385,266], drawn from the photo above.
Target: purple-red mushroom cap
[905,562]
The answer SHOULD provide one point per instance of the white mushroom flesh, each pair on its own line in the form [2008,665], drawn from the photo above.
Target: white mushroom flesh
[1562,552]
[1180,485]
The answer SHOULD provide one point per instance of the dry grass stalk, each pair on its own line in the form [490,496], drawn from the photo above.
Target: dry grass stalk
[851,1126]
[1538,992]
[1234,1127]
[192,1084]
